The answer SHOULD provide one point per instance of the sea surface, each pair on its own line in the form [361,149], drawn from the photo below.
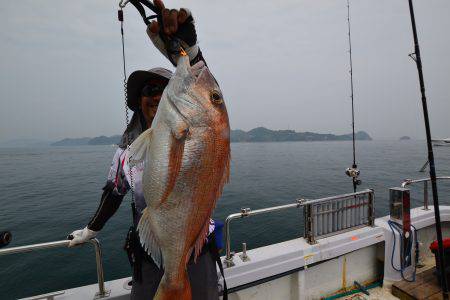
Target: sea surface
[46,193]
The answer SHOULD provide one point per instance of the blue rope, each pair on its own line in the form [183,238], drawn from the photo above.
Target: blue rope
[408,253]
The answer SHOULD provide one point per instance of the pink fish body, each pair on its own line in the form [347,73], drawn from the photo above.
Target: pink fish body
[186,155]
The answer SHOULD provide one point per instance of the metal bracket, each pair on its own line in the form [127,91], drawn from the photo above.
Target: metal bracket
[123,3]
[106,294]
[310,238]
[245,211]
[407,182]
[229,261]
[413,56]
[300,201]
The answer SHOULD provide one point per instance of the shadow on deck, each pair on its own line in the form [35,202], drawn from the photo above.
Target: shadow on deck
[426,286]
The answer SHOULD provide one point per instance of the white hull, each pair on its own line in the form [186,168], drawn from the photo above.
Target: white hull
[297,270]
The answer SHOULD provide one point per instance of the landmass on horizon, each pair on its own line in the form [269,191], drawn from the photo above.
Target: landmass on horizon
[259,134]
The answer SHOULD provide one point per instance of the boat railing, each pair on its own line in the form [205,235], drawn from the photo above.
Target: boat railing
[322,217]
[102,292]
[425,181]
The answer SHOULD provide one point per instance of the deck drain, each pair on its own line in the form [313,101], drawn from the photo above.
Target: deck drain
[128,284]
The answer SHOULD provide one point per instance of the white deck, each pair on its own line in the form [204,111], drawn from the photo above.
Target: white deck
[297,270]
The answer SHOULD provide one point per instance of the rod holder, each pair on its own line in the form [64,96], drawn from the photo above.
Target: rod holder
[228,260]
[244,257]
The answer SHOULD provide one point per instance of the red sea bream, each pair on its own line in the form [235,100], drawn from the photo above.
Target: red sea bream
[186,154]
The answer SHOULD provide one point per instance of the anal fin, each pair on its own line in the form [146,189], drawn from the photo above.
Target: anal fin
[201,240]
[148,240]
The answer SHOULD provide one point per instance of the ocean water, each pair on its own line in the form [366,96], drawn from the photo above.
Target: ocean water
[46,193]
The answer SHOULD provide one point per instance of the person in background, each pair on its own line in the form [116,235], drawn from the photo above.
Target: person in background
[144,90]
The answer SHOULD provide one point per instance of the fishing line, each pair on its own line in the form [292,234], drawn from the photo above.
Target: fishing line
[127,118]
[131,247]
[352,172]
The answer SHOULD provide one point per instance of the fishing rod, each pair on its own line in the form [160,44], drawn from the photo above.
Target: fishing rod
[352,172]
[172,44]
[416,57]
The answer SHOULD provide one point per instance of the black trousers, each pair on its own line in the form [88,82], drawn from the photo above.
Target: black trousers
[202,277]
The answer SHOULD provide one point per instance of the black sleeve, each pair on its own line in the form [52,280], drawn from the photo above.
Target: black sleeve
[109,204]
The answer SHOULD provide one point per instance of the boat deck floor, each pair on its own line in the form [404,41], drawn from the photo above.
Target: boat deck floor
[426,286]
[377,293]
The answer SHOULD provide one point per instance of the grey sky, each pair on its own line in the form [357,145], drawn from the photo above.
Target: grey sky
[281,64]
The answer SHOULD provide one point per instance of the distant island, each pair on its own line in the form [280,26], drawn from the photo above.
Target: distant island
[260,134]
[404,138]
[85,141]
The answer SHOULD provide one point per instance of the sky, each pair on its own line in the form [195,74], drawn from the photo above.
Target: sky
[280,64]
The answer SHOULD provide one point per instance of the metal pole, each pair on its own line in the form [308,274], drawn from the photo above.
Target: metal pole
[425,195]
[102,292]
[371,216]
[437,215]
[228,258]
[309,223]
[30,248]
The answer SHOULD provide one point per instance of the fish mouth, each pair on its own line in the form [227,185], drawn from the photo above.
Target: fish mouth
[179,104]
[200,70]
[197,69]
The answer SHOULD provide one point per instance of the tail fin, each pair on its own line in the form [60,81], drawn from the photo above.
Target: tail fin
[180,291]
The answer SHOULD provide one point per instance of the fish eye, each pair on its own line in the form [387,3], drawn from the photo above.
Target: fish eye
[216,97]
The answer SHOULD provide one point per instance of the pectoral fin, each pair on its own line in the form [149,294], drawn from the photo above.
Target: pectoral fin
[176,149]
[138,149]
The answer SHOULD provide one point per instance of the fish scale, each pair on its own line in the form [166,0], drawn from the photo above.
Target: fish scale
[186,156]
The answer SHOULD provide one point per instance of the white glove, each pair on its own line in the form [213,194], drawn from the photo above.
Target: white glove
[81,236]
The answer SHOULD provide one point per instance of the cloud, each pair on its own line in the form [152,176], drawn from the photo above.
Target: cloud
[280,64]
